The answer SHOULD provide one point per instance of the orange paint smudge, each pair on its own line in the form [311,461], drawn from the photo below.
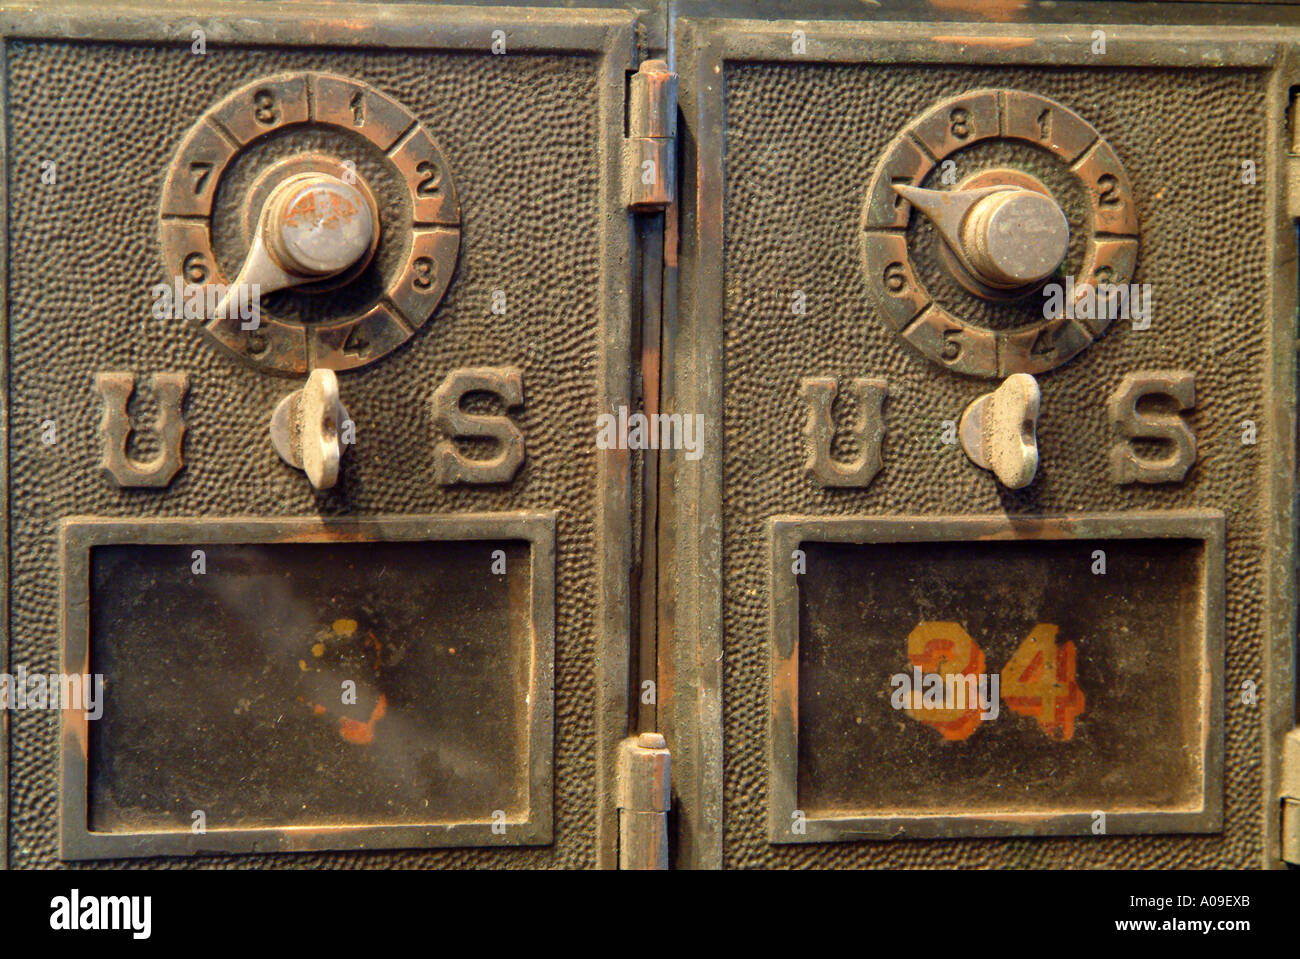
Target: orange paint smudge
[361,733]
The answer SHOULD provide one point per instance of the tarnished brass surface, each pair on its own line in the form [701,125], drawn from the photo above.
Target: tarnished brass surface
[793,131]
[533,141]
[680,386]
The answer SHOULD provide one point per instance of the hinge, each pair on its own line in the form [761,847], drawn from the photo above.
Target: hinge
[1293,186]
[644,797]
[1291,797]
[649,154]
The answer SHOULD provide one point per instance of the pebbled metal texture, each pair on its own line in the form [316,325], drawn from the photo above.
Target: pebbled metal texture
[523,134]
[801,145]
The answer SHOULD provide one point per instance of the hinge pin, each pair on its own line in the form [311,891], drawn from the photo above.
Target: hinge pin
[644,798]
[1291,797]
[649,154]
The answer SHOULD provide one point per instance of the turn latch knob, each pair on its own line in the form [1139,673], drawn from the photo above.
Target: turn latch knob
[999,431]
[306,428]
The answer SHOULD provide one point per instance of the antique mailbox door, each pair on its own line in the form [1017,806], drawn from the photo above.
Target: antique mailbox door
[989,556]
[375,614]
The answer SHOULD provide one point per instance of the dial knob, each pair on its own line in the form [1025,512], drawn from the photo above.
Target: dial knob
[312,226]
[956,271]
[280,185]
[317,225]
[1008,237]
[1015,238]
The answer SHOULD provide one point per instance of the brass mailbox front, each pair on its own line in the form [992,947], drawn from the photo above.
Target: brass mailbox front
[305,685]
[1082,675]
[325,302]
[701,433]
[961,309]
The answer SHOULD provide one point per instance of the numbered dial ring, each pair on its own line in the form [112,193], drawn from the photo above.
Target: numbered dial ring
[1108,223]
[419,238]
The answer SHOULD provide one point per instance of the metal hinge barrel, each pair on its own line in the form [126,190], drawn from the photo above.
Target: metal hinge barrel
[1292,167]
[650,156]
[644,797]
[1291,797]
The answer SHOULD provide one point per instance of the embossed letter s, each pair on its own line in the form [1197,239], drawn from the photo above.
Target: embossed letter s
[450,466]
[1125,465]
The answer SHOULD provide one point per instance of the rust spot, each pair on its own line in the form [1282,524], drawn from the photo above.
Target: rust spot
[360,733]
[323,209]
[323,533]
[1000,11]
[671,238]
[785,688]
[76,719]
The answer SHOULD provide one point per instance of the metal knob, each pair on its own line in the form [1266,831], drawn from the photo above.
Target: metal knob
[317,225]
[999,431]
[1008,237]
[1015,238]
[306,427]
[312,226]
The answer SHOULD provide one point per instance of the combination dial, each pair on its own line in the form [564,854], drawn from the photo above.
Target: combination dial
[977,205]
[306,184]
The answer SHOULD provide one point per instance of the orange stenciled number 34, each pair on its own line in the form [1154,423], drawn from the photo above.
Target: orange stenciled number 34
[1038,681]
